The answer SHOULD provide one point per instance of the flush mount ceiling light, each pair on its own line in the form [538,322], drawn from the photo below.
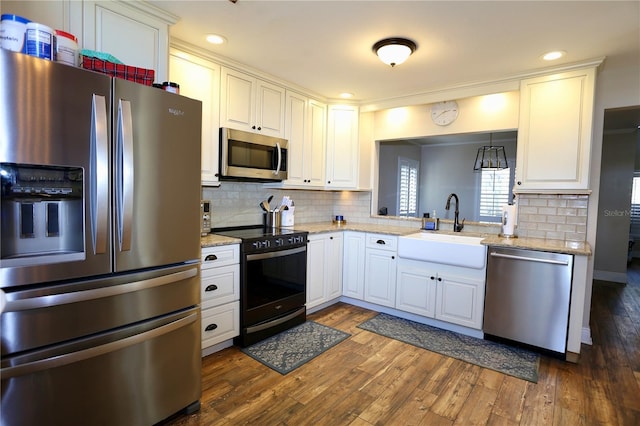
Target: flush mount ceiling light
[552,56]
[215,39]
[490,157]
[394,51]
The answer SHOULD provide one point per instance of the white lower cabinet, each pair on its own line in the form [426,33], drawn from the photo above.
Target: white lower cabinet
[446,293]
[220,294]
[353,265]
[416,292]
[380,269]
[324,268]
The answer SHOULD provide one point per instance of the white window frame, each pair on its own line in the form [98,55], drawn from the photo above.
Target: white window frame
[494,193]
[408,179]
[634,230]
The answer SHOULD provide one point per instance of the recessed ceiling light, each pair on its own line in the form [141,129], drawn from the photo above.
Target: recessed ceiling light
[346,95]
[552,56]
[216,39]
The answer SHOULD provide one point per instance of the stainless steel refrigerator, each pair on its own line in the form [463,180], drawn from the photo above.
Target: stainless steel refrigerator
[99,254]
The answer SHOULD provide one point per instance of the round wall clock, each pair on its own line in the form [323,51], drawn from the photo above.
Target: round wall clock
[444,113]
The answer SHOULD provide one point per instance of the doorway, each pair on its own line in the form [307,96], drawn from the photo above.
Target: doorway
[620,162]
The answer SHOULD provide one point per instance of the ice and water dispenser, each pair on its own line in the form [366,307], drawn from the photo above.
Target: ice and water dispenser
[41,214]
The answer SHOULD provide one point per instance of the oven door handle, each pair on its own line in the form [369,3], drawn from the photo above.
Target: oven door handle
[266,325]
[278,253]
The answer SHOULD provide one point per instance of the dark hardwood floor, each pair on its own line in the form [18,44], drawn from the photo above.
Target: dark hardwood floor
[372,380]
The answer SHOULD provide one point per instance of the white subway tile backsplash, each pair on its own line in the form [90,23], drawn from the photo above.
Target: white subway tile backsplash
[553,216]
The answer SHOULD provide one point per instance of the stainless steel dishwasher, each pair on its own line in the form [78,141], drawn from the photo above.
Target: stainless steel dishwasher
[527,297]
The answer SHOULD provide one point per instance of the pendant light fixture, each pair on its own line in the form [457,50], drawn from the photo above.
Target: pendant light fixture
[394,51]
[490,157]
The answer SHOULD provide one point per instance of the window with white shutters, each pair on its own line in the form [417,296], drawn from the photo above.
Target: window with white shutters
[635,207]
[494,193]
[407,187]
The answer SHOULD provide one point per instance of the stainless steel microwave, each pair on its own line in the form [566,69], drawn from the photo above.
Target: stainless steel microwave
[251,156]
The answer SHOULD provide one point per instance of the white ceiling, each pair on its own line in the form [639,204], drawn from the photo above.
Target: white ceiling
[325,46]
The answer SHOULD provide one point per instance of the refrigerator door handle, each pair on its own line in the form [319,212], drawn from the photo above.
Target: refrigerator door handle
[99,183]
[97,293]
[124,186]
[93,352]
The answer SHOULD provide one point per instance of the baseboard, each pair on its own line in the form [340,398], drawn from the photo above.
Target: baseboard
[217,347]
[586,336]
[616,277]
[416,318]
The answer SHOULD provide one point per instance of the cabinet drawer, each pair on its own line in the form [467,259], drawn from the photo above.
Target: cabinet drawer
[382,242]
[212,257]
[222,322]
[219,285]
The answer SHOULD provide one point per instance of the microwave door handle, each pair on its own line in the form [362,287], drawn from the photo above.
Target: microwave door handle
[277,170]
[124,186]
[99,174]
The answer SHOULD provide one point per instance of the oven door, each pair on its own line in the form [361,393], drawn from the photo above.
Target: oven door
[252,156]
[275,283]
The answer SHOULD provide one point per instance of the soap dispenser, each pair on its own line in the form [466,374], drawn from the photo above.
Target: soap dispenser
[430,223]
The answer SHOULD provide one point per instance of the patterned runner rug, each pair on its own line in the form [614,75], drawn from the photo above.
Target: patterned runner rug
[509,360]
[290,349]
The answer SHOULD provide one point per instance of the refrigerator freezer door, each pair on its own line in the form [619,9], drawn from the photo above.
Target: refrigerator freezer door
[157,177]
[138,375]
[57,122]
[73,310]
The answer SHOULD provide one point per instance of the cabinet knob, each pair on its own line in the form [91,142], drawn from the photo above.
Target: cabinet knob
[380,242]
[211,327]
[253,127]
[393,257]
[439,279]
[433,278]
[331,238]
[210,257]
[259,128]
[519,183]
[211,287]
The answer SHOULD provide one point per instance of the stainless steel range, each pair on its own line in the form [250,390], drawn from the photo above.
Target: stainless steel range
[273,281]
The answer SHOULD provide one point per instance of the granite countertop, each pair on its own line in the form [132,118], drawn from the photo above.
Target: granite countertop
[213,240]
[557,246]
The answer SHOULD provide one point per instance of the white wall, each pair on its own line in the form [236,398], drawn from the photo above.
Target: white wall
[476,114]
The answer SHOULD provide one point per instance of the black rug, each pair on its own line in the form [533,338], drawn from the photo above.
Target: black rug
[290,349]
[509,360]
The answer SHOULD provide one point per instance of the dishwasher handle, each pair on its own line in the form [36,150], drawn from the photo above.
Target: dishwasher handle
[529,259]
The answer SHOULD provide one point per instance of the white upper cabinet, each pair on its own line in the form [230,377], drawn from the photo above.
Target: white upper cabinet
[200,79]
[306,121]
[342,147]
[250,104]
[134,32]
[554,132]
